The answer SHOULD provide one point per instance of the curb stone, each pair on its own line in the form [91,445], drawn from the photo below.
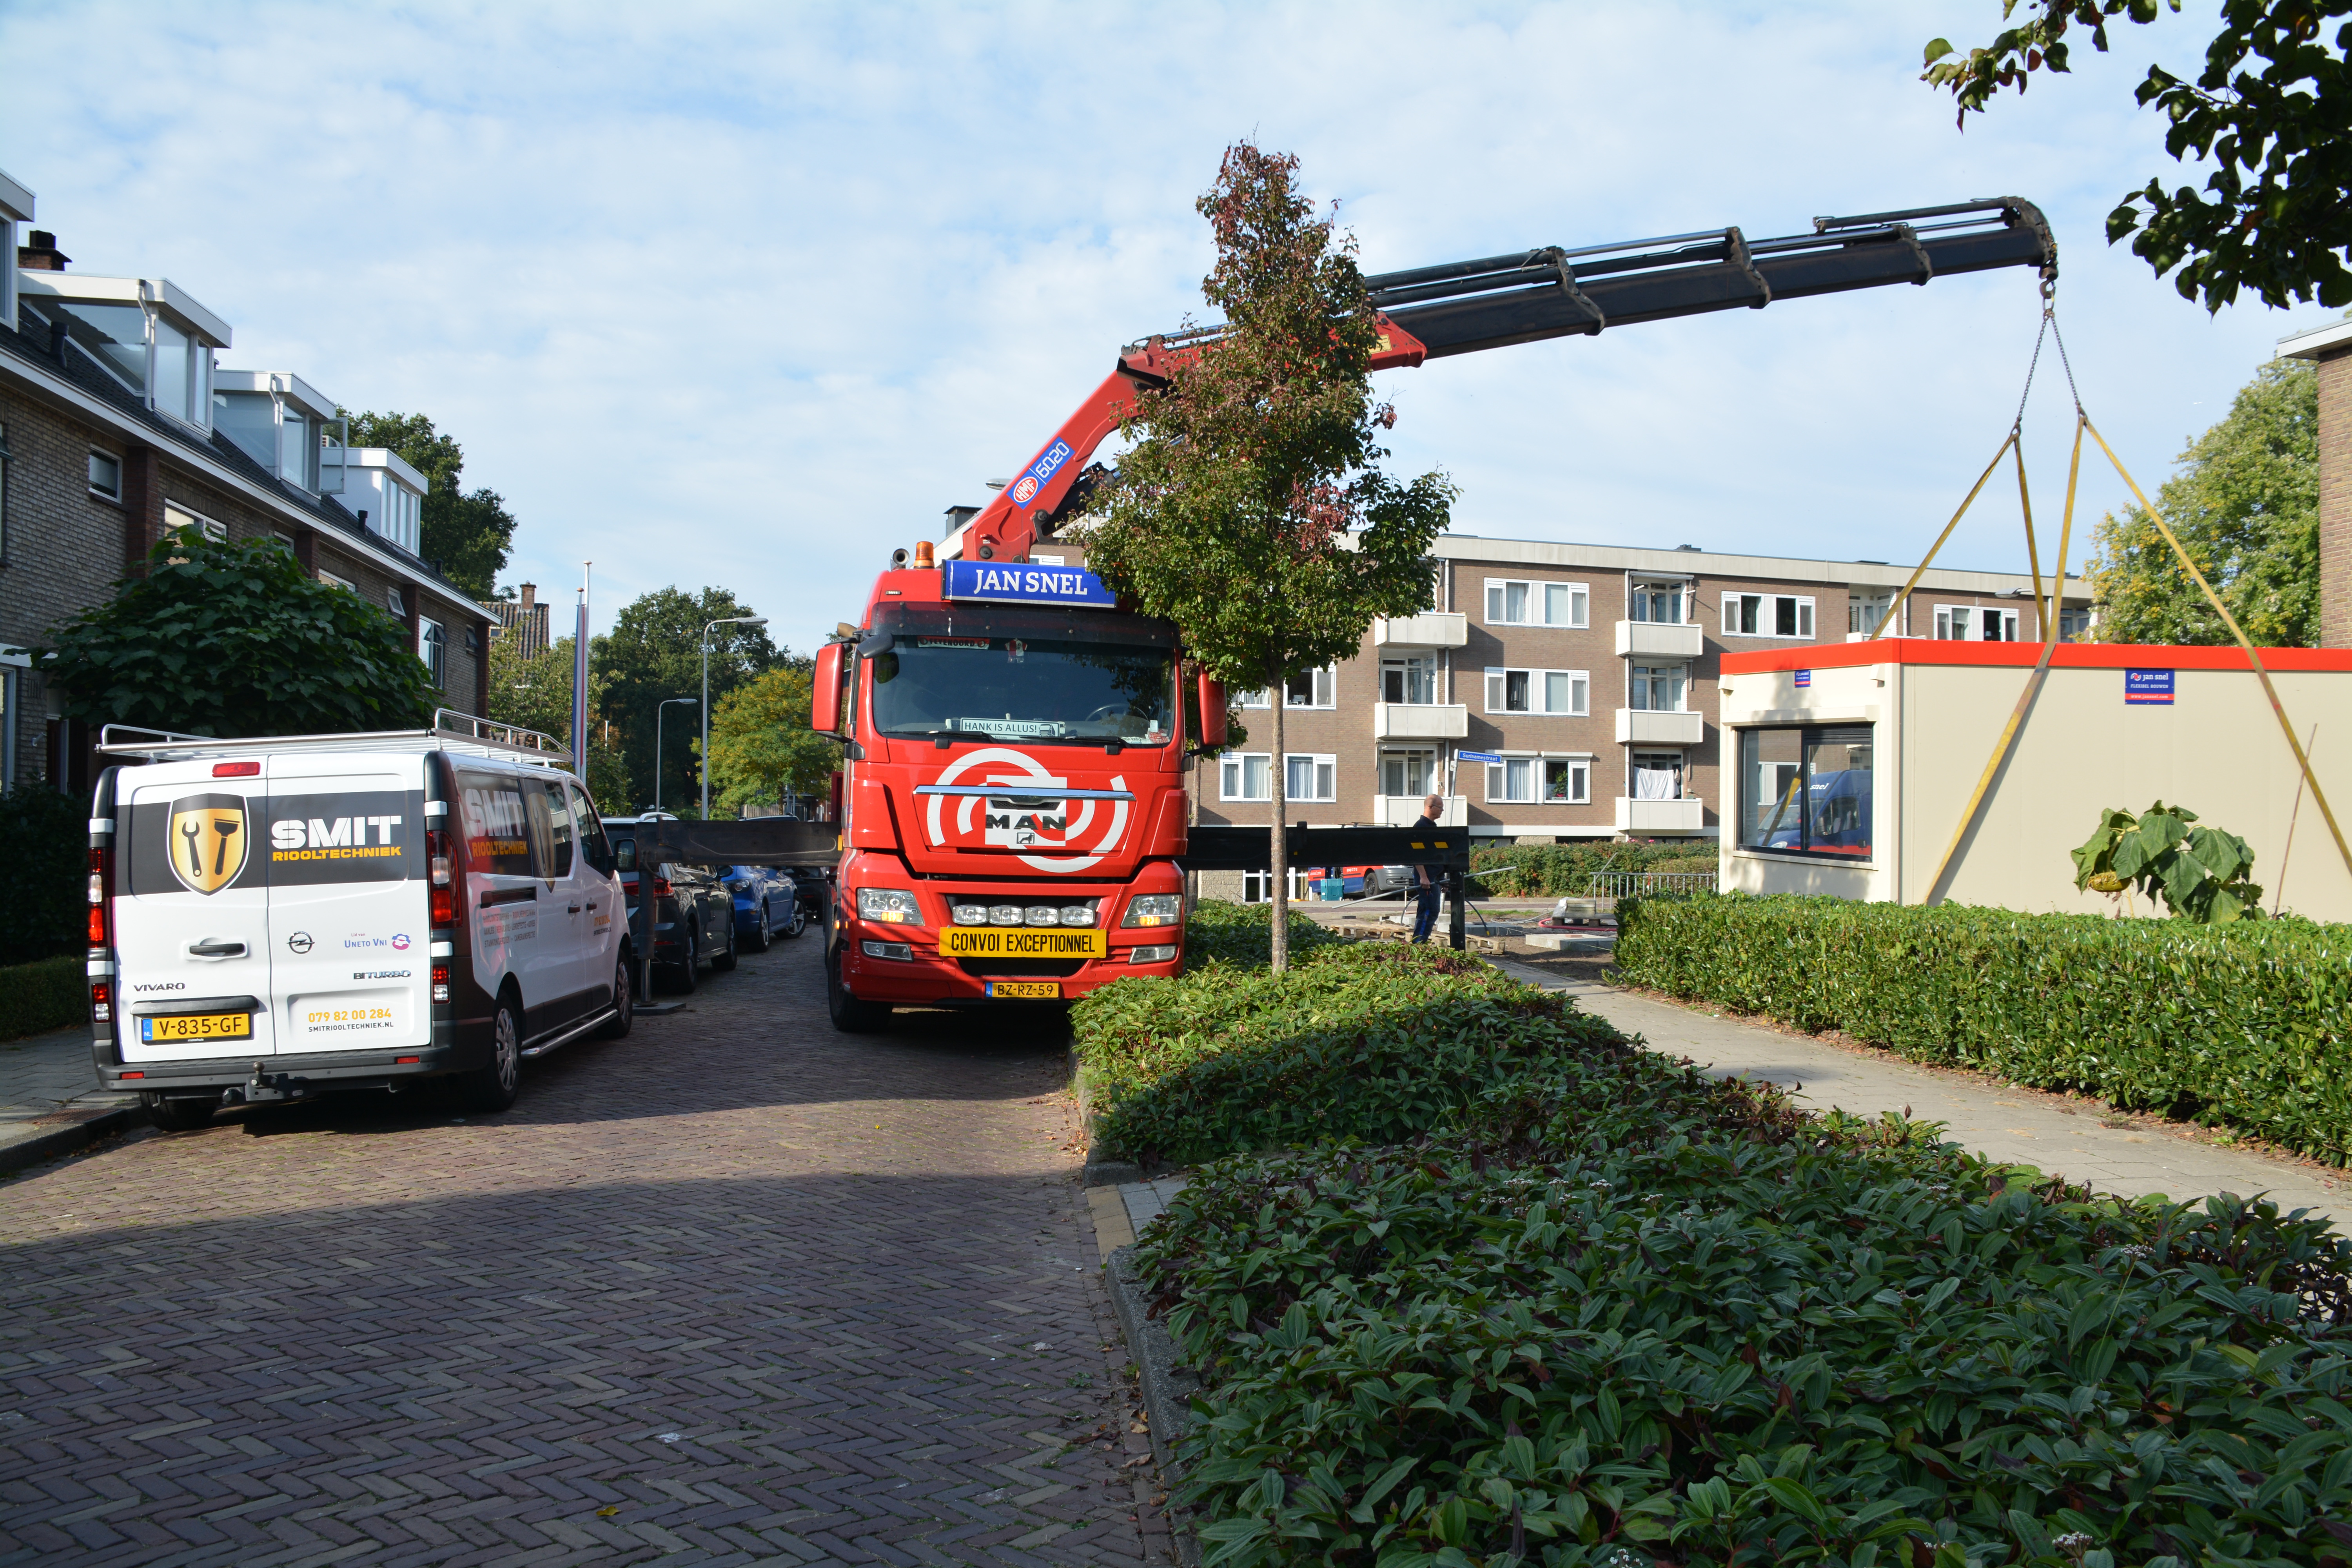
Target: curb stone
[25,1152]
[1168,1386]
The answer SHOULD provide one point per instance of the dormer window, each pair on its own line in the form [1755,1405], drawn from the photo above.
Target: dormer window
[145,332]
[279,421]
[298,450]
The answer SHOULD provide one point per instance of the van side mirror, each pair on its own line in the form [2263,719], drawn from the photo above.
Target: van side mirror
[826,704]
[1212,713]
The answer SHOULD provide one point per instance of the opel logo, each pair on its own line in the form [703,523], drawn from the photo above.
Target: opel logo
[299,943]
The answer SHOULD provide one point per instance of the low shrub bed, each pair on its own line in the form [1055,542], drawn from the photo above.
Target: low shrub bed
[1368,1040]
[1621,1315]
[2245,1024]
[1242,935]
[1565,871]
[46,995]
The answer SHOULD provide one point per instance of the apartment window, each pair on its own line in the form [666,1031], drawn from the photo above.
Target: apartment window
[176,517]
[1408,774]
[106,476]
[1974,623]
[298,451]
[1656,602]
[1658,687]
[432,647]
[1562,691]
[1655,775]
[1245,776]
[1807,790]
[1310,778]
[1410,678]
[1520,603]
[1312,688]
[2074,626]
[334,581]
[1567,783]
[175,357]
[1768,615]
[393,602]
[1865,608]
[1512,780]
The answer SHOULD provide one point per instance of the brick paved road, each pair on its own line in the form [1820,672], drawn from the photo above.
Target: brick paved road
[737,1288]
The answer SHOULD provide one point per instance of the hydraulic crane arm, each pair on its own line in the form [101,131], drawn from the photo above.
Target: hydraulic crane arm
[1431,312]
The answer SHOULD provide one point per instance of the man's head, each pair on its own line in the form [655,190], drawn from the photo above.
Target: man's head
[1434,806]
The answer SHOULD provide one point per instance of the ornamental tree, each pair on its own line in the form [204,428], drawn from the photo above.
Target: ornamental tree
[762,747]
[2272,109]
[1249,509]
[235,639]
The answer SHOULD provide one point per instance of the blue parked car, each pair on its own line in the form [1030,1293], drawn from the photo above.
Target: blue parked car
[767,904]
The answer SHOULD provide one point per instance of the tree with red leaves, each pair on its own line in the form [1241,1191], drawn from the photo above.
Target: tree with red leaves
[1249,509]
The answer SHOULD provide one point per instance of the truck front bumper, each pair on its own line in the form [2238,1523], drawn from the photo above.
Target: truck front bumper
[923,978]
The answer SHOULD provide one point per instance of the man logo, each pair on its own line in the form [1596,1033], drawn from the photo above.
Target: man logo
[208,841]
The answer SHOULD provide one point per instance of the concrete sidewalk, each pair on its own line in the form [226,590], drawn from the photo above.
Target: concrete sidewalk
[2106,1152]
[50,1104]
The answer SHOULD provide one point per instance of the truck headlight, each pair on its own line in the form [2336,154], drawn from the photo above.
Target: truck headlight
[1154,910]
[1164,954]
[1079,914]
[971,914]
[892,906]
[1042,915]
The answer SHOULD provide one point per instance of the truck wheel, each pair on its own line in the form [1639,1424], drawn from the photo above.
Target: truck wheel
[624,1002]
[177,1115]
[850,1015]
[684,974]
[492,1086]
[724,959]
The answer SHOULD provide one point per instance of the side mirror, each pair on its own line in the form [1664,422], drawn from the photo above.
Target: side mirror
[1212,712]
[825,715]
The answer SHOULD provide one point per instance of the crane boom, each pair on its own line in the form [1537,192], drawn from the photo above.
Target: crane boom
[1433,312]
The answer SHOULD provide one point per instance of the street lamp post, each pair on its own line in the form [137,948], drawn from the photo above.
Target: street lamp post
[705,769]
[658,742]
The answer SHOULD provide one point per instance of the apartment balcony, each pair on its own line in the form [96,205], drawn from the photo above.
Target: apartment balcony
[1649,726]
[1659,639]
[1419,720]
[1660,815]
[1438,628]
[1404,810]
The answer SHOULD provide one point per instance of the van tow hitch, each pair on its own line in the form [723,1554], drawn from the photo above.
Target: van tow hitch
[263,1087]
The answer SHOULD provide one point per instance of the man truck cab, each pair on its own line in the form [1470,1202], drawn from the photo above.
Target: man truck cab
[274,918]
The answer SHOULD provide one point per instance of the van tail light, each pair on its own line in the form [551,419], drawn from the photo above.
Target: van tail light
[101,1002]
[440,982]
[101,909]
[440,877]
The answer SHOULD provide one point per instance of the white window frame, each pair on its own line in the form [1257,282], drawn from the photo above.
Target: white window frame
[1323,683]
[1577,765]
[1403,662]
[1768,607]
[1684,586]
[2007,620]
[1876,602]
[1496,686]
[1683,765]
[1630,677]
[1499,773]
[1234,765]
[1432,783]
[334,581]
[394,602]
[2075,625]
[215,531]
[1538,598]
[432,634]
[1323,768]
[111,460]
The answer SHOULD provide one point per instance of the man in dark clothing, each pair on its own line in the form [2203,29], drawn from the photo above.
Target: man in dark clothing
[1424,880]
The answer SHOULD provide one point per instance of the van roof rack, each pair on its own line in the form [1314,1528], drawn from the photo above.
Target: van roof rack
[464,733]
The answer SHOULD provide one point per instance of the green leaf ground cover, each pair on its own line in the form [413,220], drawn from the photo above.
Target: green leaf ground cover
[2244,1024]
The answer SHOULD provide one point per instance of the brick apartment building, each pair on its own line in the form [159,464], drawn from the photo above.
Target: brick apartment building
[1566,692]
[117,423]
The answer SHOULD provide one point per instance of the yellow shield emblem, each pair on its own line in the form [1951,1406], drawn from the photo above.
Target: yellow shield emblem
[208,841]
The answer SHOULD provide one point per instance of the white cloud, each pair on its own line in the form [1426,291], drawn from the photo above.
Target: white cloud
[747,295]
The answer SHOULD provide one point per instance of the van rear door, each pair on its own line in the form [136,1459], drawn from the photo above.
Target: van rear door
[192,915]
[348,914]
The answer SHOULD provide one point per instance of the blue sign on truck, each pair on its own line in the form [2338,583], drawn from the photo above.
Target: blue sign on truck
[1019,581]
[2152,686]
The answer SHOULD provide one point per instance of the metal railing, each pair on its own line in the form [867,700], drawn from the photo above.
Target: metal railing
[1634,884]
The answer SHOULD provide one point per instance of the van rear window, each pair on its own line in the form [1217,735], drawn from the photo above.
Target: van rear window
[498,831]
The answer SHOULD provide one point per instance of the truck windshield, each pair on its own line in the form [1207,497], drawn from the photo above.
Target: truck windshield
[1054,690]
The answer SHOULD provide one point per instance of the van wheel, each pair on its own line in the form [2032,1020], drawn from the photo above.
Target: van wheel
[492,1086]
[624,1002]
[724,960]
[177,1115]
[762,933]
[850,1015]
[684,974]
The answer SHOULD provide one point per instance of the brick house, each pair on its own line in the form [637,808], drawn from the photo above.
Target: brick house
[117,423]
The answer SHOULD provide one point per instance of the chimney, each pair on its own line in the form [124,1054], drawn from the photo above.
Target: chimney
[42,254]
[529,592]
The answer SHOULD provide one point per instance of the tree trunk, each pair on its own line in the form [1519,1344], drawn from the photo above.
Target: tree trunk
[1278,873]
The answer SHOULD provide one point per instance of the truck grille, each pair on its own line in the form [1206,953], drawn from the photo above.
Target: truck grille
[1021,968]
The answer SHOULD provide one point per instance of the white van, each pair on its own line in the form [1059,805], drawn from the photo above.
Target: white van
[273,919]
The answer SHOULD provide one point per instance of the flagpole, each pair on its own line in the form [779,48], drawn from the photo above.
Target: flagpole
[580,676]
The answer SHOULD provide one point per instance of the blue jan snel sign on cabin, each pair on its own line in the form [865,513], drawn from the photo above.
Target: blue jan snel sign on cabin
[1018,582]
[1804,679]
[2151,686]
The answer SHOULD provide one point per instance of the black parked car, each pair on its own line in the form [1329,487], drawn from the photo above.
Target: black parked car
[694,914]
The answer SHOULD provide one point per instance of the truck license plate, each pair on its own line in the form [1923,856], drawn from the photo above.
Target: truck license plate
[198,1026]
[1023,942]
[1031,989]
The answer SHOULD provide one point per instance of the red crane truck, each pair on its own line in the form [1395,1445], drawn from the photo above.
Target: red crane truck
[1011,801]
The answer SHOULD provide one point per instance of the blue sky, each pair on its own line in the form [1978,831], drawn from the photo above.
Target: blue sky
[746,295]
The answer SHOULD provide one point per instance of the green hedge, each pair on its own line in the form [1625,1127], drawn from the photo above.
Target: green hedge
[1242,935]
[48,995]
[1371,1040]
[2245,1024]
[1565,871]
[48,834]
[1630,1315]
